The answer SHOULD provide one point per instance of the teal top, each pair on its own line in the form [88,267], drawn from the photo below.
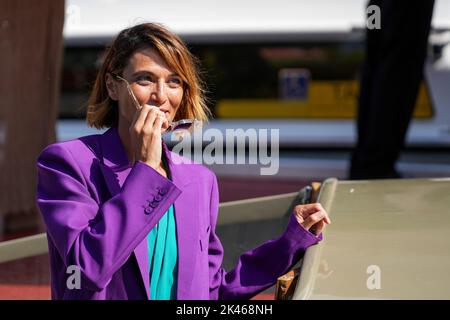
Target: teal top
[162,255]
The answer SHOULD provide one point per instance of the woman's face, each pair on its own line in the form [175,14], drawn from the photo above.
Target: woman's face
[152,82]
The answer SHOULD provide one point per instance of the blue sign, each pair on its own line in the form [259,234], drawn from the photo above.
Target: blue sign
[294,84]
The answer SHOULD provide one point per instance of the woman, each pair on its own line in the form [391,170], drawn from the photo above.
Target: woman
[123,211]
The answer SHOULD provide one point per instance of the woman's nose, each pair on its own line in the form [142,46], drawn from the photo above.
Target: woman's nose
[158,94]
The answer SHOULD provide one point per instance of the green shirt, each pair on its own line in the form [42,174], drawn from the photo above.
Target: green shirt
[163,255]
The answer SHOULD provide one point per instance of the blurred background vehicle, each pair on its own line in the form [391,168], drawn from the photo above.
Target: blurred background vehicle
[294,66]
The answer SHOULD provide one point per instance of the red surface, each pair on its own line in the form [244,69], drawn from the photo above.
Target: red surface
[42,292]
[29,278]
[24,292]
[263,296]
[237,188]
[20,234]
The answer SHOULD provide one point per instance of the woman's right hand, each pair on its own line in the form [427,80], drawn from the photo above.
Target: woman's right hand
[145,135]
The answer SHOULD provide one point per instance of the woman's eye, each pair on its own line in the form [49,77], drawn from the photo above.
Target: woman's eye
[144,80]
[175,82]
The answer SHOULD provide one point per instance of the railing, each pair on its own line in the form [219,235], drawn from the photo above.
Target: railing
[23,248]
[311,260]
[241,211]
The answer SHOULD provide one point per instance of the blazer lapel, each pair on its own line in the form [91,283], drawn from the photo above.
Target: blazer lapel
[187,224]
[115,168]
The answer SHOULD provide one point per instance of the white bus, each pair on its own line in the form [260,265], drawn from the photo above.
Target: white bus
[249,50]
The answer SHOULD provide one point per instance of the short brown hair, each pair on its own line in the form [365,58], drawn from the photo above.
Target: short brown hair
[102,111]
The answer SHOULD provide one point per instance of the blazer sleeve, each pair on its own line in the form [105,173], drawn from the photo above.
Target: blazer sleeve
[259,268]
[97,238]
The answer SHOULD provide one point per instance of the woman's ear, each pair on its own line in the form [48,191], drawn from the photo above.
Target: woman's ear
[111,86]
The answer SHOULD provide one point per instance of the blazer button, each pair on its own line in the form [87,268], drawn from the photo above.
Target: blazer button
[157,198]
[148,210]
[154,204]
[162,191]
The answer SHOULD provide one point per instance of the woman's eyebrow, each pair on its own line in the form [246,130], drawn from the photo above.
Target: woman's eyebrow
[151,73]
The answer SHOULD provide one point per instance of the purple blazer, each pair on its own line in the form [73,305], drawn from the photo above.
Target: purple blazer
[98,211]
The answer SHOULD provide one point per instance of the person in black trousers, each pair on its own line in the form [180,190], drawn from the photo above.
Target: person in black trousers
[389,84]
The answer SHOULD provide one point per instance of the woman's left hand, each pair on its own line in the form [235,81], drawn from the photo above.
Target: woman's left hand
[312,217]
